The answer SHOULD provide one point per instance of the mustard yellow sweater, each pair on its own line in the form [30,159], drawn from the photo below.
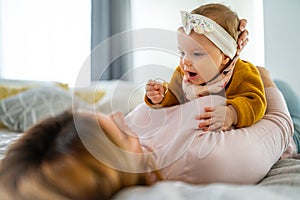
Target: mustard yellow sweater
[245,92]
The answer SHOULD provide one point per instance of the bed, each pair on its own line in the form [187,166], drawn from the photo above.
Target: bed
[282,181]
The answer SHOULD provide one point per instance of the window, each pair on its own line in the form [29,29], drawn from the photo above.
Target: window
[47,40]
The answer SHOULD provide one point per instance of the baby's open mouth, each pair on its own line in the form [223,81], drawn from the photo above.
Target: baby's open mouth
[192,74]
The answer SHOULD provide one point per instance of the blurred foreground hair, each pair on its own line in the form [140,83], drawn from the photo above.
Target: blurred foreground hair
[50,162]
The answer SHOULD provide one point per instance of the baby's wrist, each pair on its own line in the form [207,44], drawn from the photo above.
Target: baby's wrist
[233,114]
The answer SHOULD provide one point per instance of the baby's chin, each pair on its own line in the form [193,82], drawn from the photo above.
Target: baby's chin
[196,81]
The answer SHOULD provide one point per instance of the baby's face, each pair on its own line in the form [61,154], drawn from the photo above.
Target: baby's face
[201,60]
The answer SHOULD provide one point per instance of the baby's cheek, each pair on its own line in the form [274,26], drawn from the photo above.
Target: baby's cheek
[181,64]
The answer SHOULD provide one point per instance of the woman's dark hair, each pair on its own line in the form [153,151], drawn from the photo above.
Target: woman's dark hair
[50,161]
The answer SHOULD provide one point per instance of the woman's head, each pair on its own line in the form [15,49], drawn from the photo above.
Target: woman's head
[207,41]
[51,160]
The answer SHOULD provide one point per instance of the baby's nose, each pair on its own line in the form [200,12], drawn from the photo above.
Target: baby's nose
[187,62]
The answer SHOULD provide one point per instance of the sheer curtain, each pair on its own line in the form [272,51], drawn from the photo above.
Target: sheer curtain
[46,40]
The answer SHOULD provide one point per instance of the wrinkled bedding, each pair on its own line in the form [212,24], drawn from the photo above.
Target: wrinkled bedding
[6,137]
[281,183]
[183,191]
[284,172]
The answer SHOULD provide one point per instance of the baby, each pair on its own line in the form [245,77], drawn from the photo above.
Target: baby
[207,42]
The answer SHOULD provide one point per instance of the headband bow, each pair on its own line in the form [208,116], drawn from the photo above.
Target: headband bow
[210,29]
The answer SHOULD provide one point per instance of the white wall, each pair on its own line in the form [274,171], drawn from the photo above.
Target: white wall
[165,15]
[282,31]
[1,58]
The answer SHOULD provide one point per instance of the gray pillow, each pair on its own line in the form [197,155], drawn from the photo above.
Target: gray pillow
[21,111]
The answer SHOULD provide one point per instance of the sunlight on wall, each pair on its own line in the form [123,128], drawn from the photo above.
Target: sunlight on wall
[44,40]
[282,46]
[165,15]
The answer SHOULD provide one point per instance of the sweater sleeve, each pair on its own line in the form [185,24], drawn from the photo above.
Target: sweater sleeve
[277,112]
[174,93]
[246,94]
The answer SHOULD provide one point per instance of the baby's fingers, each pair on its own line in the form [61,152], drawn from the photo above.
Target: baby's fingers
[149,88]
[153,93]
[204,125]
[211,124]
[158,86]
[215,127]
[151,82]
[206,115]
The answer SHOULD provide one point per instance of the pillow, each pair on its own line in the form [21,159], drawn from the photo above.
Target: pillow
[14,83]
[9,87]
[6,91]
[89,96]
[21,111]
[121,96]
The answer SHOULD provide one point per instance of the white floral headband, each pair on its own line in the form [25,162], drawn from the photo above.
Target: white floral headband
[210,29]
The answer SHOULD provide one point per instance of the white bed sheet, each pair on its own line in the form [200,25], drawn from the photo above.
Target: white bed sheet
[183,191]
[6,138]
[281,183]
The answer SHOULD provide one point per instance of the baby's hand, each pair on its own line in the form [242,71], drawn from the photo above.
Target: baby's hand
[218,118]
[155,91]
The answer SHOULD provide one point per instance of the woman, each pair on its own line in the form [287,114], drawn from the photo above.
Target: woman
[83,155]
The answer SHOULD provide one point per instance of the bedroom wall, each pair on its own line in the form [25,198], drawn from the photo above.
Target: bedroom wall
[282,31]
[0,40]
[45,40]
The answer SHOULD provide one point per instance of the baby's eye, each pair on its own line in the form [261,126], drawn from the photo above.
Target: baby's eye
[181,54]
[198,54]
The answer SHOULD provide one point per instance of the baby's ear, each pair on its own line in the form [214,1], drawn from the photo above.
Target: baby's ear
[225,59]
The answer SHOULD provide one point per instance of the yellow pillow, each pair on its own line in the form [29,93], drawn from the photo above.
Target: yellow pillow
[63,85]
[2,125]
[6,91]
[89,96]
[10,90]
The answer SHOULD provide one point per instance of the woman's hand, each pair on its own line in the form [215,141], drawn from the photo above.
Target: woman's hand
[155,91]
[122,135]
[243,37]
